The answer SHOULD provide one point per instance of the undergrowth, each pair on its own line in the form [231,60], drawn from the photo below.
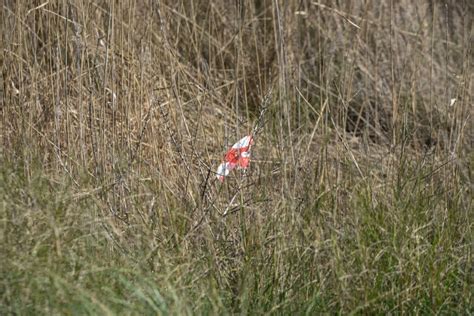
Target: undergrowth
[116,114]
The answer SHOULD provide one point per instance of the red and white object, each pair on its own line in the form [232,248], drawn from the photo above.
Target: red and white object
[237,156]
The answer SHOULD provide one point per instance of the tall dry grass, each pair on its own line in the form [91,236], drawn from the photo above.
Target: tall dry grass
[115,114]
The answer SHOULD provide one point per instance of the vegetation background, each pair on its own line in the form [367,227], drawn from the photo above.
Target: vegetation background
[115,114]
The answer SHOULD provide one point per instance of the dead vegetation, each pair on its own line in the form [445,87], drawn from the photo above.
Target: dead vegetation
[115,114]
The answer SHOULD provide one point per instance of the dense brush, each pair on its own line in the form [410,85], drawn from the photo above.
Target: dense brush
[116,114]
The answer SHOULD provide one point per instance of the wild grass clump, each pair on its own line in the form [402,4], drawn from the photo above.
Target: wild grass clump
[115,115]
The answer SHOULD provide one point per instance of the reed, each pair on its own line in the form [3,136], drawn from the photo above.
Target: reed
[116,114]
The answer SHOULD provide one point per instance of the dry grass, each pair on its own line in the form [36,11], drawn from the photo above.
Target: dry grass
[114,116]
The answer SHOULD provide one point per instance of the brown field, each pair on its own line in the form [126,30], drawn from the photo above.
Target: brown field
[114,116]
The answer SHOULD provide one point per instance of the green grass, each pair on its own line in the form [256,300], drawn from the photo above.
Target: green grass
[404,251]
